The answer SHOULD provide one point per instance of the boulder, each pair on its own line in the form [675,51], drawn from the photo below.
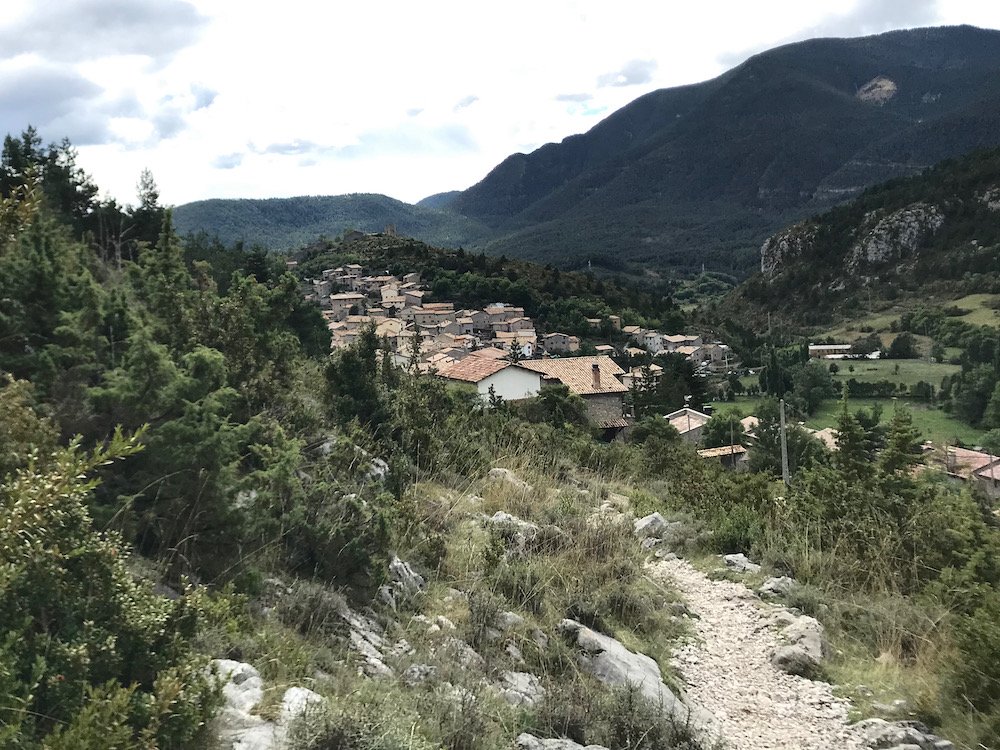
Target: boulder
[506,520]
[509,620]
[611,663]
[242,686]
[236,728]
[365,637]
[296,702]
[741,563]
[518,532]
[378,470]
[651,525]
[879,734]
[508,477]
[795,660]
[531,742]
[405,579]
[805,647]
[521,689]
[463,653]
[777,587]
[808,633]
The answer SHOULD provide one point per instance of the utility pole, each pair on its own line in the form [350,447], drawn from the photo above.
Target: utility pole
[784,445]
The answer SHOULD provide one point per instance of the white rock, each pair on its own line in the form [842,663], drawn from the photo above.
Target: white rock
[509,620]
[500,518]
[531,742]
[650,525]
[613,664]
[444,623]
[521,689]
[741,563]
[407,580]
[242,686]
[463,653]
[296,702]
[777,587]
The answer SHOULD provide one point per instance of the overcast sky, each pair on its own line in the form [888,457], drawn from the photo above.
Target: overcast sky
[221,98]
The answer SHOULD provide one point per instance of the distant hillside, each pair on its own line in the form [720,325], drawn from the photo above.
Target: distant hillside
[284,223]
[439,200]
[702,173]
[933,236]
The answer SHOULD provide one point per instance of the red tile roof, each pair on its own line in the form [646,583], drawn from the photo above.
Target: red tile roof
[576,373]
[473,369]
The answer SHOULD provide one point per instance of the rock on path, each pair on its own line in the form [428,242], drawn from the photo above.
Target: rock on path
[728,672]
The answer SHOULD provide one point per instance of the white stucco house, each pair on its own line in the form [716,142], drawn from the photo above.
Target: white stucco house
[509,381]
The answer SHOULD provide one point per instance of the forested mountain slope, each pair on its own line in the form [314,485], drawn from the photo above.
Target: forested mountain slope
[702,173]
[285,223]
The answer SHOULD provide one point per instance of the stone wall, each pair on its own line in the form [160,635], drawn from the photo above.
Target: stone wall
[603,406]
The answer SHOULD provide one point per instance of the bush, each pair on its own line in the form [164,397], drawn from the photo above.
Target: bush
[75,625]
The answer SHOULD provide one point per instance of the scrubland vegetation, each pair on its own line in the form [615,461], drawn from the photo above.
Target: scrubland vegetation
[187,474]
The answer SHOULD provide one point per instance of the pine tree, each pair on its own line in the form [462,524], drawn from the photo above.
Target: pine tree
[902,448]
[851,456]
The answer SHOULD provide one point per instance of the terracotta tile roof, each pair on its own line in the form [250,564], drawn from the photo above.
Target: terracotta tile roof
[490,352]
[964,462]
[610,423]
[576,373]
[725,450]
[687,419]
[990,471]
[473,369]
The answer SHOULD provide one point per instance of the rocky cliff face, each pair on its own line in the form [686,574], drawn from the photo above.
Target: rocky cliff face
[897,236]
[792,243]
[991,198]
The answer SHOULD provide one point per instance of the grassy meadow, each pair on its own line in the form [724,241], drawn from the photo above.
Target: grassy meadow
[933,423]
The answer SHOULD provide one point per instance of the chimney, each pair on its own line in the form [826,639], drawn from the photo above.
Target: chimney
[596,369]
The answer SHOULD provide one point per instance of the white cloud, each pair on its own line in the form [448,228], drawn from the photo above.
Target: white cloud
[631,73]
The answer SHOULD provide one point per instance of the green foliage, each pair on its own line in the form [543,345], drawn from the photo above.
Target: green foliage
[811,384]
[723,429]
[903,346]
[804,450]
[557,406]
[76,626]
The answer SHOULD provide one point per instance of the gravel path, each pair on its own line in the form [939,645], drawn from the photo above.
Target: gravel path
[729,674]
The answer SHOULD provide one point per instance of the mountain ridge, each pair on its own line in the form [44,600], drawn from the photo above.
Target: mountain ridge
[698,175]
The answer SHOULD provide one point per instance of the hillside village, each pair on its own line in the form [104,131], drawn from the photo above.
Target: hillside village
[496,347]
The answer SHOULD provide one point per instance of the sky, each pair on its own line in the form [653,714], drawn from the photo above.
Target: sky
[253,99]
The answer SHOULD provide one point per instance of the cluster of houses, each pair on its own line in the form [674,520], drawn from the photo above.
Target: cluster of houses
[496,349]
[433,334]
[692,347]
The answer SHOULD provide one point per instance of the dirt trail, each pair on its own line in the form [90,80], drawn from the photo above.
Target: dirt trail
[728,672]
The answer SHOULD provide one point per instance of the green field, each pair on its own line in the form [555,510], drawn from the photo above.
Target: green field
[981,310]
[933,424]
[910,371]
